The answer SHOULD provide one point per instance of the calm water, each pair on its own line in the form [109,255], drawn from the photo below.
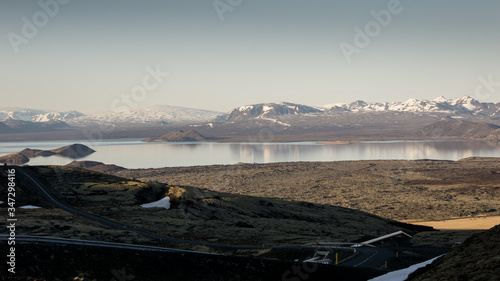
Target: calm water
[132,153]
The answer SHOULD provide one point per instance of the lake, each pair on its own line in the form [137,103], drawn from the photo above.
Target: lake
[132,153]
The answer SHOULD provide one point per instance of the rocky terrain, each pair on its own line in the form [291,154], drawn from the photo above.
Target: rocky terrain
[281,214]
[195,214]
[475,259]
[402,190]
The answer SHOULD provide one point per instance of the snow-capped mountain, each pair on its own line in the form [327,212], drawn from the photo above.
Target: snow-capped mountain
[35,115]
[159,114]
[463,105]
[269,110]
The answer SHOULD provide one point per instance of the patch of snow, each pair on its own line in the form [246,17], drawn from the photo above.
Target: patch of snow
[276,121]
[266,108]
[30,207]
[162,203]
[401,275]
[246,107]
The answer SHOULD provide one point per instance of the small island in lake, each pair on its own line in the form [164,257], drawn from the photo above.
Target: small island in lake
[178,136]
[71,151]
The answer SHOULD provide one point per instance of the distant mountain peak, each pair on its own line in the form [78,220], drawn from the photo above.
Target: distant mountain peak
[462,105]
[441,99]
[269,110]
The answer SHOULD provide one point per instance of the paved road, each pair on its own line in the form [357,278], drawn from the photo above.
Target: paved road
[370,257]
[57,240]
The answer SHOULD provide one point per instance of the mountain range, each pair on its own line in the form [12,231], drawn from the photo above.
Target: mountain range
[166,114]
[19,126]
[36,115]
[150,115]
[463,105]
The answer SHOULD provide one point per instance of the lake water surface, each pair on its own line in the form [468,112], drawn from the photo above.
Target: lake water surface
[132,153]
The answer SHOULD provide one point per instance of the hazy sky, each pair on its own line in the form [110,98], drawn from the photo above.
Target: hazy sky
[91,55]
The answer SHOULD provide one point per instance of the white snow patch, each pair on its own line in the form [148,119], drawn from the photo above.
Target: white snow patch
[30,207]
[266,108]
[246,107]
[162,203]
[276,121]
[401,275]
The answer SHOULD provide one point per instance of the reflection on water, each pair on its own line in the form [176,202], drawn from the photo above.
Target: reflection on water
[132,153]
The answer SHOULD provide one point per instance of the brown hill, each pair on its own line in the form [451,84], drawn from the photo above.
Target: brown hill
[179,136]
[478,258]
[74,151]
[71,151]
[95,166]
[462,129]
[14,159]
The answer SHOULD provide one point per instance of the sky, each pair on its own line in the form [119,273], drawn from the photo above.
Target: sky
[99,56]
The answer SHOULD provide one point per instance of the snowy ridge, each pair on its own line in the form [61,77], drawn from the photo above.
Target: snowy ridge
[269,110]
[463,105]
[35,115]
[156,113]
